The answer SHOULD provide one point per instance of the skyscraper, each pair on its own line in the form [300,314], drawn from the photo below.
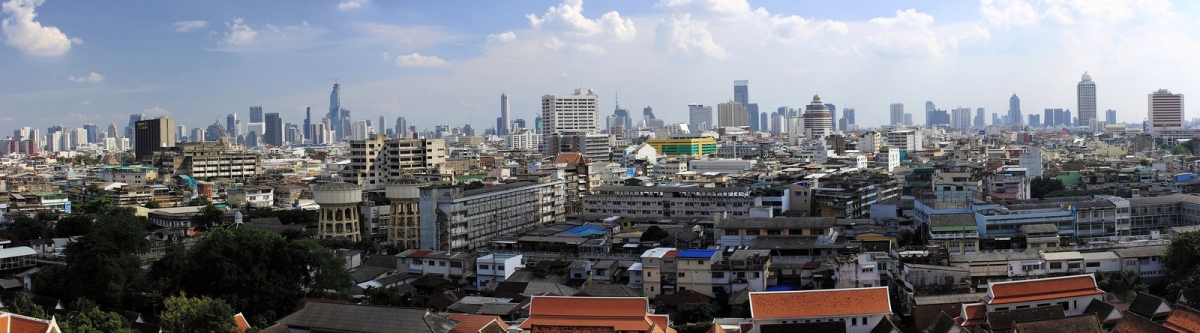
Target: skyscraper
[1087,100]
[129,130]
[817,121]
[848,113]
[832,115]
[1110,116]
[256,114]
[231,126]
[908,119]
[93,132]
[741,92]
[1014,110]
[700,117]
[381,127]
[961,119]
[897,113]
[980,121]
[112,130]
[764,122]
[335,108]
[1166,111]
[1034,120]
[153,135]
[402,128]
[776,124]
[732,114]
[1049,118]
[307,130]
[502,128]
[273,134]
[752,115]
[577,113]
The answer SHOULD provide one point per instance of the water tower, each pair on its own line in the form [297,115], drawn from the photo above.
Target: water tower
[339,210]
[404,223]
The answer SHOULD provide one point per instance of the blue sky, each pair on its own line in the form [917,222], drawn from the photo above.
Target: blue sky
[447,62]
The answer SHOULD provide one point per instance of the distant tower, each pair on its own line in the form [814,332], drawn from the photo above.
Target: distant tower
[505,123]
[1110,116]
[1014,110]
[897,110]
[256,114]
[817,121]
[335,107]
[1166,111]
[339,210]
[404,224]
[1087,101]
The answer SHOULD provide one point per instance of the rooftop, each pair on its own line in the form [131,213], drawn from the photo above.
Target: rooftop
[820,303]
[1041,289]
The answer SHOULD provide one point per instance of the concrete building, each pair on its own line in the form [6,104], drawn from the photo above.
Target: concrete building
[818,123]
[495,268]
[153,135]
[404,228]
[667,201]
[209,160]
[685,145]
[578,112]
[1165,112]
[700,117]
[897,113]
[376,160]
[338,215]
[1086,93]
[524,140]
[453,219]
[732,114]
[653,262]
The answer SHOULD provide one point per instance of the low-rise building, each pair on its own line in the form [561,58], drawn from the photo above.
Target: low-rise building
[495,268]
[858,310]
[454,219]
[670,201]
[1146,261]
[1072,293]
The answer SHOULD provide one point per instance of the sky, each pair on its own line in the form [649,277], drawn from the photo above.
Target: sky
[448,62]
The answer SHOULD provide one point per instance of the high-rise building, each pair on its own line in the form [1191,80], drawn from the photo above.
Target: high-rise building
[1034,120]
[897,114]
[1014,110]
[764,124]
[908,119]
[752,115]
[1166,111]
[732,114]
[741,92]
[995,118]
[133,119]
[215,132]
[1087,101]
[402,128]
[93,132]
[649,120]
[112,130]
[700,116]
[961,119]
[256,114]
[308,134]
[848,113]
[776,124]
[345,123]
[197,135]
[618,114]
[817,121]
[153,135]
[231,125]
[833,115]
[1110,116]
[934,118]
[505,124]
[180,133]
[575,113]
[980,121]
[273,134]
[1050,116]
[380,128]
[335,108]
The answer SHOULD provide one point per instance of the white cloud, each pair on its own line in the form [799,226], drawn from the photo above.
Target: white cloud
[407,37]
[240,33]
[912,29]
[186,26]
[418,60]
[568,18]
[682,36]
[29,36]
[782,28]
[346,6]
[156,112]
[506,36]
[93,77]
[1006,12]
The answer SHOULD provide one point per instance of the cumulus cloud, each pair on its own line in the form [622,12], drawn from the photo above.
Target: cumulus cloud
[782,28]
[186,26]
[1006,12]
[240,33]
[346,6]
[29,36]
[93,77]
[418,60]
[506,36]
[568,18]
[156,112]
[682,36]
[408,37]
[912,29]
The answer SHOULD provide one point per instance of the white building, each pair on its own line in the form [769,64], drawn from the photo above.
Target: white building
[1165,111]
[525,140]
[578,112]
[376,160]
[1032,161]
[453,219]
[817,121]
[1086,93]
[495,268]
[904,140]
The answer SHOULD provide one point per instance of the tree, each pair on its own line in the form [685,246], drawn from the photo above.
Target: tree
[1182,263]
[693,313]
[1040,186]
[473,185]
[209,217]
[153,204]
[389,296]
[653,234]
[197,314]
[22,305]
[103,265]
[73,225]
[24,229]
[93,320]
[1181,150]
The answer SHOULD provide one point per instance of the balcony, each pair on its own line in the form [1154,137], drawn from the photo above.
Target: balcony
[958,235]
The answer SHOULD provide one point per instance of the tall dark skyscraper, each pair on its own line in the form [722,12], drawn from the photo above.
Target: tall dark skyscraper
[505,123]
[980,121]
[346,124]
[402,128]
[335,115]
[752,112]
[133,119]
[849,115]
[741,91]
[273,134]
[232,127]
[93,132]
[256,115]
[308,123]
[832,115]
[153,135]
[1014,110]
[1110,116]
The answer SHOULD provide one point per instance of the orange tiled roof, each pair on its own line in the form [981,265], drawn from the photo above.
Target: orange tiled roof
[619,324]
[26,325]
[976,314]
[819,303]
[588,306]
[570,329]
[471,323]
[1183,319]
[659,320]
[240,323]
[1041,289]
[670,254]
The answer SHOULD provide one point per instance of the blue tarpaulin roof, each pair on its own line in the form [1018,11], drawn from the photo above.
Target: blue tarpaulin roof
[584,231]
[695,254]
[781,288]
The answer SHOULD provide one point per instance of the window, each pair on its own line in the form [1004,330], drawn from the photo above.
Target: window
[499,267]
[1066,306]
[681,274]
[774,232]
[718,275]
[731,232]
[1093,264]
[484,267]
[853,321]
[757,275]
[1003,308]
[442,263]
[752,232]
[1056,265]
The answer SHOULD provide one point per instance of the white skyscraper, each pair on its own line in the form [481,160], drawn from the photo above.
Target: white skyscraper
[1087,101]
[575,113]
[897,114]
[1165,111]
[817,121]
[505,122]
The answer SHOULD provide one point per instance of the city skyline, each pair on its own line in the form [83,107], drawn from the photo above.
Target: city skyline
[197,63]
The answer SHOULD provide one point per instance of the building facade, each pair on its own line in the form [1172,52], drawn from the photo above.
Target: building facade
[453,219]
[665,201]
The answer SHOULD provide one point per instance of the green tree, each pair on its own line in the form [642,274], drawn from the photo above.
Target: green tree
[209,217]
[473,185]
[73,225]
[197,315]
[693,313]
[1040,186]
[24,229]
[103,265]
[22,305]
[153,204]
[93,320]
[389,296]
[1182,263]
[653,234]
[1181,150]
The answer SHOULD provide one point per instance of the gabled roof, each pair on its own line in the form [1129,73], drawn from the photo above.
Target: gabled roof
[820,303]
[1107,313]
[942,324]
[1183,319]
[1149,306]
[1002,321]
[973,314]
[615,313]
[1076,324]
[321,316]
[1041,289]
[1137,324]
[473,323]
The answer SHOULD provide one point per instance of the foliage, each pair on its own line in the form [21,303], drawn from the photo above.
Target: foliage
[197,314]
[1040,186]
[654,234]
[209,217]
[1119,282]
[472,185]
[24,306]
[153,204]
[391,296]
[103,265]
[694,328]
[1144,162]
[1182,263]
[1181,150]
[1163,146]
[200,201]
[366,245]
[73,225]
[693,313]
[93,320]
[24,229]
[1076,193]
[285,216]
[255,271]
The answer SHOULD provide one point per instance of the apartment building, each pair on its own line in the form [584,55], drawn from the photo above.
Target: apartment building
[957,233]
[454,219]
[693,270]
[209,160]
[653,262]
[453,266]
[670,201]
[743,269]
[744,231]
[1154,214]
[495,268]
[376,160]
[133,175]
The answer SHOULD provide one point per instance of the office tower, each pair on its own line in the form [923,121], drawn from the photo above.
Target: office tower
[54,141]
[995,118]
[402,128]
[843,123]
[308,123]
[1110,116]
[782,111]
[649,120]
[732,114]
[231,126]
[78,137]
[93,132]
[292,134]
[700,116]
[55,128]
[1049,116]
[619,112]
[777,124]
[345,121]
[764,124]
[929,106]
[961,119]
[380,127]
[537,125]
[22,133]
[335,107]
[934,118]
[153,135]
[133,119]
[180,133]
[575,113]
[214,132]
[502,128]
[256,114]
[849,115]
[468,130]
[752,115]
[1014,110]
[817,122]
[273,133]
[112,130]
[833,115]
[741,92]
[1087,101]
[897,114]
[908,119]
[520,123]
[1062,117]
[1165,111]
[980,121]
[1034,120]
